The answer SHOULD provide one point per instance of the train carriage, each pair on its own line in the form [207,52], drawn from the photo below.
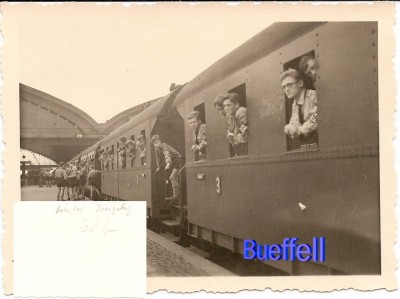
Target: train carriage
[276,187]
[137,179]
[326,185]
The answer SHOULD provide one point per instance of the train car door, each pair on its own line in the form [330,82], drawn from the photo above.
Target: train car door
[171,131]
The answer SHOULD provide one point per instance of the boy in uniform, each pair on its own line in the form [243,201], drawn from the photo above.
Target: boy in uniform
[168,156]
[59,174]
[198,135]
[72,180]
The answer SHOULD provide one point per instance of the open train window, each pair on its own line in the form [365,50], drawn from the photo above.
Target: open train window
[132,155]
[112,150]
[301,111]
[106,164]
[202,110]
[199,143]
[118,156]
[142,148]
[237,122]
[300,64]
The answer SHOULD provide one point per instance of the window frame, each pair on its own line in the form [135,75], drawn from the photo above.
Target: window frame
[241,90]
[314,138]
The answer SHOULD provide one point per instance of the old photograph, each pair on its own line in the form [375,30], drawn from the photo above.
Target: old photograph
[269,136]
[258,159]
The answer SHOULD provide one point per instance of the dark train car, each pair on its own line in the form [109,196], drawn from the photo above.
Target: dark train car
[90,154]
[324,186]
[138,179]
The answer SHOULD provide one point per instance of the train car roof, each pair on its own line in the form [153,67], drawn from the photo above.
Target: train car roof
[151,112]
[267,41]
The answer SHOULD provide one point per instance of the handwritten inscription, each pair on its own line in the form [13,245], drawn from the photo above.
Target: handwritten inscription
[119,209]
[90,226]
[69,209]
[96,218]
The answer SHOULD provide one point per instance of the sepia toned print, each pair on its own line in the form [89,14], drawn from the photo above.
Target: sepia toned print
[266,164]
[255,177]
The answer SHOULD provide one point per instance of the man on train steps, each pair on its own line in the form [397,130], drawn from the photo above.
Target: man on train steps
[168,156]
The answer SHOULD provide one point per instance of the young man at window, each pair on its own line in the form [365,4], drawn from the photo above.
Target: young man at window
[140,144]
[122,151]
[236,117]
[130,148]
[304,119]
[219,103]
[308,67]
[168,156]
[198,135]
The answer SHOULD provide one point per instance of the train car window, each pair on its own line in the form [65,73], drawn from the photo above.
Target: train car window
[199,144]
[118,157]
[106,160]
[101,162]
[142,148]
[102,158]
[301,109]
[306,65]
[202,110]
[236,118]
[112,157]
[122,152]
[131,150]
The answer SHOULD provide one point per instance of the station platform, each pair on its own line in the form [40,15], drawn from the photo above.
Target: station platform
[44,193]
[166,258]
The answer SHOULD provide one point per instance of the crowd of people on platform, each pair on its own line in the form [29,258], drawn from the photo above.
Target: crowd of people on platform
[71,179]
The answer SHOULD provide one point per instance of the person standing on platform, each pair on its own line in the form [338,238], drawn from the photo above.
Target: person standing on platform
[59,174]
[72,181]
[82,180]
[92,177]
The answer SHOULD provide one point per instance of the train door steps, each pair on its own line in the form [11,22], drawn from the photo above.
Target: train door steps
[198,261]
[172,222]
[178,206]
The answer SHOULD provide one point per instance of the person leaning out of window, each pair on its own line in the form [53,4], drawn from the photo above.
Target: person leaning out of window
[236,117]
[168,157]
[219,104]
[308,67]
[304,118]
[198,135]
